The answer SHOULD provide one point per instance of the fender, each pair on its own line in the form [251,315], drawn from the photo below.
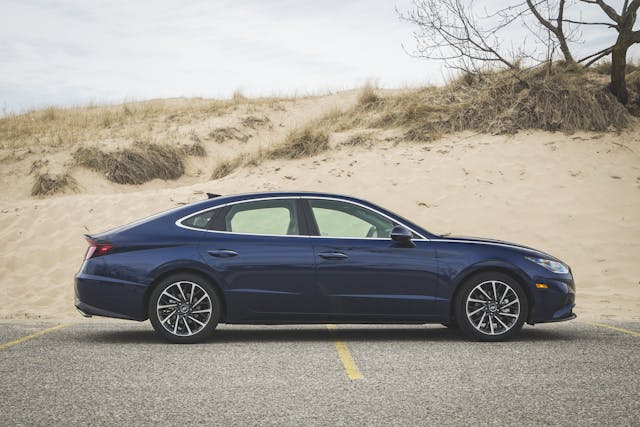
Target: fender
[185,264]
[494,265]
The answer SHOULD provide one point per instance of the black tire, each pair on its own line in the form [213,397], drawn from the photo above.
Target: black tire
[178,322]
[451,325]
[505,315]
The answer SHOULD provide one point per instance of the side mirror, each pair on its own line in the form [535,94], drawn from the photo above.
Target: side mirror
[402,236]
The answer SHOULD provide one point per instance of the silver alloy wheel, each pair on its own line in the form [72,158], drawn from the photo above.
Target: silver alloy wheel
[493,307]
[184,308]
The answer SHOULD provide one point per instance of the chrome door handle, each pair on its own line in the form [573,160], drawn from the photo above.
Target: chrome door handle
[333,255]
[223,253]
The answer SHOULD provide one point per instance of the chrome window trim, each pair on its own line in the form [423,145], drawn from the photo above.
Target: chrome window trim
[179,221]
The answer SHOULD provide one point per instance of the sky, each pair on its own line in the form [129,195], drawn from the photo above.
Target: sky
[78,52]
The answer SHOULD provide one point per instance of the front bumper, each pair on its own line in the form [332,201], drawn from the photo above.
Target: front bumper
[556,303]
[107,297]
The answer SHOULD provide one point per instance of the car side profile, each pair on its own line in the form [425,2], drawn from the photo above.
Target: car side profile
[293,258]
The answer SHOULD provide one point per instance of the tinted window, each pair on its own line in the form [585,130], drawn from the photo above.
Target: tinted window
[199,220]
[342,219]
[278,217]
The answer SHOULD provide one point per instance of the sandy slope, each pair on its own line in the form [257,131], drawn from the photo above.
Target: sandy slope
[575,196]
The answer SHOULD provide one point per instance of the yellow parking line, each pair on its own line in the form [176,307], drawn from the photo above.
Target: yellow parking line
[348,363]
[28,337]
[615,328]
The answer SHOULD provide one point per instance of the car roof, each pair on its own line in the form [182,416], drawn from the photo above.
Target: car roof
[267,194]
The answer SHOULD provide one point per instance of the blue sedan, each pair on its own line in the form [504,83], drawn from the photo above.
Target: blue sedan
[291,258]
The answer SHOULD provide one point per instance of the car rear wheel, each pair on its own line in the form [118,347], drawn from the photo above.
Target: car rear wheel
[184,309]
[491,307]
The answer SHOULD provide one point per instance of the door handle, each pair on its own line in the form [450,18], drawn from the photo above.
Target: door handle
[333,255]
[223,253]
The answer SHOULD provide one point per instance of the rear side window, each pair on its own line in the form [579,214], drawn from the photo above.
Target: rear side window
[277,217]
[201,220]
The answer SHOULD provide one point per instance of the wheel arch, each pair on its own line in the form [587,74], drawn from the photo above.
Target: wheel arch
[500,267]
[190,269]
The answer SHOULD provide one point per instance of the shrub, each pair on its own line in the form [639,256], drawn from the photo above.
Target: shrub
[195,150]
[225,167]
[136,165]
[305,142]
[47,184]
[368,97]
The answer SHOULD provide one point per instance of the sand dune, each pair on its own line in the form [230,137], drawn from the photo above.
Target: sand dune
[575,196]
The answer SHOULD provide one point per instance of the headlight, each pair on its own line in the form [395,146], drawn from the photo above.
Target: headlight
[553,266]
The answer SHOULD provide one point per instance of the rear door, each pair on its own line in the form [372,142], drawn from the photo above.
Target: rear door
[264,260]
[361,273]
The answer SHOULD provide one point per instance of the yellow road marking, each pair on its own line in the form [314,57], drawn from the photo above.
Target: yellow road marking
[348,363]
[32,336]
[615,328]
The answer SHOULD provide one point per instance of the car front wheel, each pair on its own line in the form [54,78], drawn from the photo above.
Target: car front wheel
[184,309]
[491,307]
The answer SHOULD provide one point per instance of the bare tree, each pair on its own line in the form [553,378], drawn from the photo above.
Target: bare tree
[623,22]
[449,31]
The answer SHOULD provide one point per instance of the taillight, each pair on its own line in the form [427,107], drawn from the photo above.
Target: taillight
[97,249]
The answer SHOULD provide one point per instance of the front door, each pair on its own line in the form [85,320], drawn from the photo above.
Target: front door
[365,276]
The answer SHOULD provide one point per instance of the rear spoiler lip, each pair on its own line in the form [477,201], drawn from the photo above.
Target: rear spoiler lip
[93,239]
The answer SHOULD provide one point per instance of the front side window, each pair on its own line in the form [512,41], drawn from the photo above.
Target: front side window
[341,219]
[277,217]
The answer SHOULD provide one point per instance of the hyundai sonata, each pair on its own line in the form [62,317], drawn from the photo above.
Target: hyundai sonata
[289,258]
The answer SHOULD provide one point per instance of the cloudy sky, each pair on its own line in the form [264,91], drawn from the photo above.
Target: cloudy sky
[75,52]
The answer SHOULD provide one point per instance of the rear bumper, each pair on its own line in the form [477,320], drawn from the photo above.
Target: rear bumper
[87,310]
[107,297]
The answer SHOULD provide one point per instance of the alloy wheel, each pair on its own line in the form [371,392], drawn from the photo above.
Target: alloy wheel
[184,308]
[493,307]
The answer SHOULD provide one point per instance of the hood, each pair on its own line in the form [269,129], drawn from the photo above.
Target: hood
[481,240]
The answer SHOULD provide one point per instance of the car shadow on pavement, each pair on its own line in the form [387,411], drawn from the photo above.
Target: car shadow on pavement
[348,333]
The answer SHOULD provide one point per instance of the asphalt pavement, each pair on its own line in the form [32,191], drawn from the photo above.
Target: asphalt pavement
[115,373]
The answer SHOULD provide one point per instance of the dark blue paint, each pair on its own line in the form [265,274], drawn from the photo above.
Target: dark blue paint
[284,279]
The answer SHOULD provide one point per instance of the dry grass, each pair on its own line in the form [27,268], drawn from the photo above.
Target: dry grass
[254,122]
[308,141]
[633,84]
[194,150]
[136,165]
[305,142]
[604,67]
[225,167]
[368,97]
[238,97]
[64,127]
[359,140]
[47,184]
[562,100]
[221,135]
[558,99]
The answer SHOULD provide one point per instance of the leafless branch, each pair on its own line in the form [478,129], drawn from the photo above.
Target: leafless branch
[449,31]
[556,30]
